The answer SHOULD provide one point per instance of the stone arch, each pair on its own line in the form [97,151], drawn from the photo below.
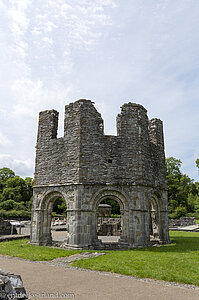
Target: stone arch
[154,215]
[43,216]
[123,201]
[114,194]
[50,197]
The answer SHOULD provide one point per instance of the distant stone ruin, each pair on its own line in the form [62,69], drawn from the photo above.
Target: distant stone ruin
[109,227]
[104,210]
[182,222]
[86,167]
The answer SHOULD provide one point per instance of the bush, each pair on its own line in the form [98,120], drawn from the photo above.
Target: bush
[15,214]
[7,205]
[12,205]
[195,215]
[180,211]
[115,216]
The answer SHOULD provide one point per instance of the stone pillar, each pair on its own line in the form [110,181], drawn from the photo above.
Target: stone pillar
[41,227]
[36,226]
[79,229]
[163,227]
[124,237]
[139,227]
[164,219]
[47,238]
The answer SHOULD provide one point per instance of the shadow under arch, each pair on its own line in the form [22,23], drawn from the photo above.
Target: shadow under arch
[46,207]
[122,199]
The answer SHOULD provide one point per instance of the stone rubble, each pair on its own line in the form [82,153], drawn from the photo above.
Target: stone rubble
[78,256]
[11,286]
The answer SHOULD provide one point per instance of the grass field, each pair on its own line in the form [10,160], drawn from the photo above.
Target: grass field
[178,262]
[21,248]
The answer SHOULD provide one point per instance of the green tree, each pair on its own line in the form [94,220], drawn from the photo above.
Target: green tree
[173,166]
[15,192]
[115,207]
[5,174]
[197,163]
[59,206]
[182,191]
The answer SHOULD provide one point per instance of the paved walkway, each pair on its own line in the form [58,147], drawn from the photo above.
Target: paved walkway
[46,278]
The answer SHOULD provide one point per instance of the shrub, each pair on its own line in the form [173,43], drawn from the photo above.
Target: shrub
[15,214]
[7,205]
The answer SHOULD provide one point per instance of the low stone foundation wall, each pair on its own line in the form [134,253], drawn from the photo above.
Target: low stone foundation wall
[182,222]
[5,228]
[11,286]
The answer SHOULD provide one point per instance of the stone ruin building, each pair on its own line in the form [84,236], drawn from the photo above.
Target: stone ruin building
[85,167]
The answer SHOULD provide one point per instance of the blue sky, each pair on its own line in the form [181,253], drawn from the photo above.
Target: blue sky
[53,52]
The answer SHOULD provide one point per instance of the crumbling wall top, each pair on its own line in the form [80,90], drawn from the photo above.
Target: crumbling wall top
[129,105]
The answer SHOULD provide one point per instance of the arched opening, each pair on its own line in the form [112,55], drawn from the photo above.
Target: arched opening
[59,220]
[109,225]
[154,220]
[119,211]
[54,219]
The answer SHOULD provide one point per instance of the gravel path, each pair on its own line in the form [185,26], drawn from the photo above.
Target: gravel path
[42,278]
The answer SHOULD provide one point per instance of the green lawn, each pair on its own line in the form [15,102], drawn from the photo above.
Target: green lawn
[178,262]
[21,248]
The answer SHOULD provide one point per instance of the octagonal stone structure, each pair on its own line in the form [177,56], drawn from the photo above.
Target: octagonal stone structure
[85,166]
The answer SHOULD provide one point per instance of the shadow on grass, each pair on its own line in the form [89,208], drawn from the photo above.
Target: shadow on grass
[179,244]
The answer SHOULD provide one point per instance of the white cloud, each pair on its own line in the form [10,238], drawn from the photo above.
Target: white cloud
[36,31]
[50,26]
[2,5]
[4,140]
[33,96]
[109,51]
[19,20]
[48,40]
[20,167]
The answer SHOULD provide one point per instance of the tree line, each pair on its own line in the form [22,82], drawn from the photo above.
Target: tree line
[183,192]
[16,194]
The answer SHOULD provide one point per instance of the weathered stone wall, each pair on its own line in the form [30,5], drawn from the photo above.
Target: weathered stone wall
[5,228]
[86,166]
[182,222]
[86,155]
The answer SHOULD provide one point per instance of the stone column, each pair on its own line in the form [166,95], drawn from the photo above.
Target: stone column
[36,233]
[47,238]
[124,237]
[94,237]
[139,227]
[41,227]
[163,227]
